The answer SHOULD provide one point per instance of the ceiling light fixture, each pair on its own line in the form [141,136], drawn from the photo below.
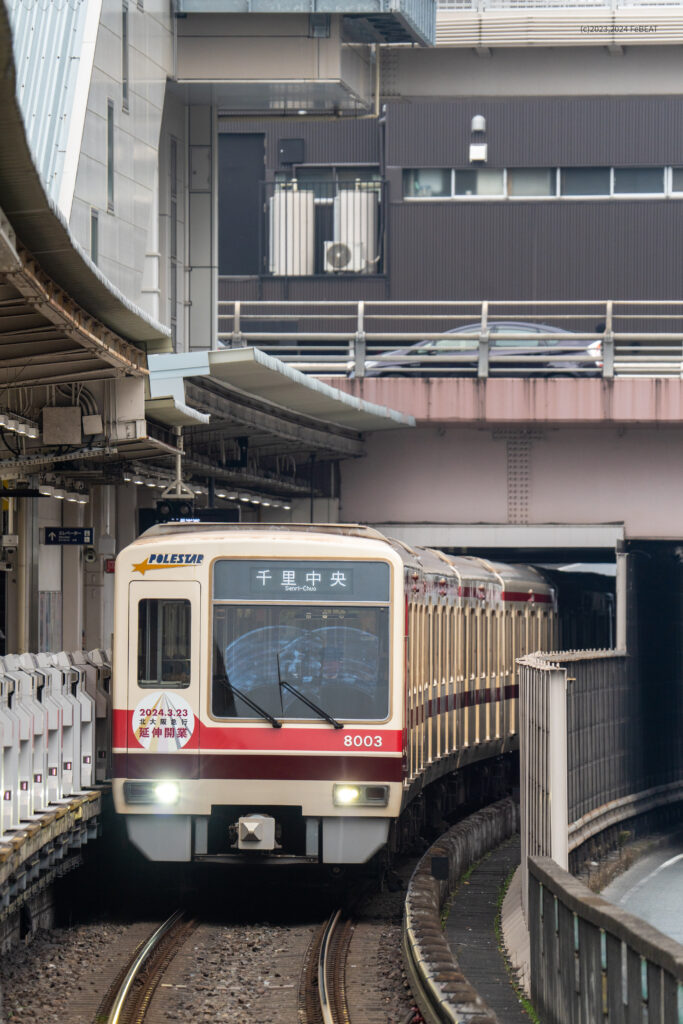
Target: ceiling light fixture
[19,424]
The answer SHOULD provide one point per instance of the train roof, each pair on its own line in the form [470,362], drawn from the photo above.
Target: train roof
[344,530]
[468,569]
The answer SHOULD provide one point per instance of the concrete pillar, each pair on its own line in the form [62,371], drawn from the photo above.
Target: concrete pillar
[50,593]
[126,504]
[26,577]
[202,220]
[99,585]
[72,582]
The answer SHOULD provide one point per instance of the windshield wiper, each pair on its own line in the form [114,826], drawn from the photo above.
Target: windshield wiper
[249,702]
[283,684]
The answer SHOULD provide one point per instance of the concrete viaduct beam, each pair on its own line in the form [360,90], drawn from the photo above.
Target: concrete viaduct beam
[652,401]
[523,453]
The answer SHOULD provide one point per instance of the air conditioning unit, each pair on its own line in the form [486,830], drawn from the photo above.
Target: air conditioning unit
[355,221]
[345,256]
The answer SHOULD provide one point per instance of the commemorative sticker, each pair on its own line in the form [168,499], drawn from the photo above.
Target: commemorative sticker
[163,722]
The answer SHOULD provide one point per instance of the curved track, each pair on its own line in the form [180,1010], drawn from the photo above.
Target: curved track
[130,994]
[322,996]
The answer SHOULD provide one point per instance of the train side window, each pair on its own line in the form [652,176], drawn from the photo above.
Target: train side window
[164,642]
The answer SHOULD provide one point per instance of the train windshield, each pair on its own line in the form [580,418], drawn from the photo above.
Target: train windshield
[337,656]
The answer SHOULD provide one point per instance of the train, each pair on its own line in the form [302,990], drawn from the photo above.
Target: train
[289,694]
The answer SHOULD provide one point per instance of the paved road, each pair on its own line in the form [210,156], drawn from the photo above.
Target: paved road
[653,889]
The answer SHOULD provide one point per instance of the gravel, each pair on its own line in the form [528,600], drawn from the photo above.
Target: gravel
[236,973]
[62,974]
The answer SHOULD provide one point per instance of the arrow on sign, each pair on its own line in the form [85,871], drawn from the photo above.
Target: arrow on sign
[52,534]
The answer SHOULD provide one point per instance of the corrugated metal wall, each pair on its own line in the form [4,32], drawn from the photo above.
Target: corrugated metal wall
[537,249]
[47,40]
[545,249]
[538,131]
[347,140]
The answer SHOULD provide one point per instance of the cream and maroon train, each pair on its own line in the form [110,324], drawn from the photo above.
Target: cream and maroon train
[285,692]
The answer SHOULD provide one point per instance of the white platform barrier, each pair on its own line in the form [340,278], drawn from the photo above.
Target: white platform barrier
[96,666]
[55,730]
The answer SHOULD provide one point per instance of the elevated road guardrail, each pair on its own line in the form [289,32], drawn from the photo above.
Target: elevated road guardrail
[592,338]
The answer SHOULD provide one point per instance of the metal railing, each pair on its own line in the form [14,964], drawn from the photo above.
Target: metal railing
[638,338]
[506,5]
[592,961]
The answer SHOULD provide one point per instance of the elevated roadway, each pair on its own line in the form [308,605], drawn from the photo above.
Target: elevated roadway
[522,454]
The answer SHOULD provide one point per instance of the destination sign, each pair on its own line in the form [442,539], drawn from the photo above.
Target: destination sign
[286,579]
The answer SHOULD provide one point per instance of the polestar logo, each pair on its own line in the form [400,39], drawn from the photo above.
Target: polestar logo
[166,561]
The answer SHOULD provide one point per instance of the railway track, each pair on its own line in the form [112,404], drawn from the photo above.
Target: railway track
[319,998]
[322,994]
[322,998]
[130,994]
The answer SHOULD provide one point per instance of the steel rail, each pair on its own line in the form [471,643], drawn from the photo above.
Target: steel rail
[140,960]
[324,977]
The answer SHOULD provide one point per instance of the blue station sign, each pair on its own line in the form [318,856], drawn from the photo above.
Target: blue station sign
[69,534]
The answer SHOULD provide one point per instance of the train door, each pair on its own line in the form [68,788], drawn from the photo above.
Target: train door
[164,679]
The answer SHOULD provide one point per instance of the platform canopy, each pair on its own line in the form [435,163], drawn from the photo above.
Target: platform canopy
[250,394]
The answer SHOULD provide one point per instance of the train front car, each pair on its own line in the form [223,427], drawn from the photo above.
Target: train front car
[258,693]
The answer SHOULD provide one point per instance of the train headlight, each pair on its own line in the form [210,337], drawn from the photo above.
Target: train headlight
[345,795]
[148,791]
[167,792]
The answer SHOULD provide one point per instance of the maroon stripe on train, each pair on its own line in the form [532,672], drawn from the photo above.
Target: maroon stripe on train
[522,597]
[468,699]
[257,766]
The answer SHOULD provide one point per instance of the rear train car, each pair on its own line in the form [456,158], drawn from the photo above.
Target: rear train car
[284,693]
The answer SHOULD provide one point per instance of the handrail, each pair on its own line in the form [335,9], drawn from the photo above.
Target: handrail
[480,6]
[637,337]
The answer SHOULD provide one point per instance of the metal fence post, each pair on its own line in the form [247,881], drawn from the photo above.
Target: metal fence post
[557,766]
[359,343]
[608,344]
[483,353]
[238,340]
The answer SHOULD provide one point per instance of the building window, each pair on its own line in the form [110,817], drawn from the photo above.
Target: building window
[631,180]
[483,181]
[124,56]
[531,181]
[584,181]
[326,182]
[542,182]
[427,184]
[110,157]
[94,236]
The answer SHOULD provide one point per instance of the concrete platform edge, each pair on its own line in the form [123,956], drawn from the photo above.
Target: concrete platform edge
[441,990]
[48,845]
[516,933]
